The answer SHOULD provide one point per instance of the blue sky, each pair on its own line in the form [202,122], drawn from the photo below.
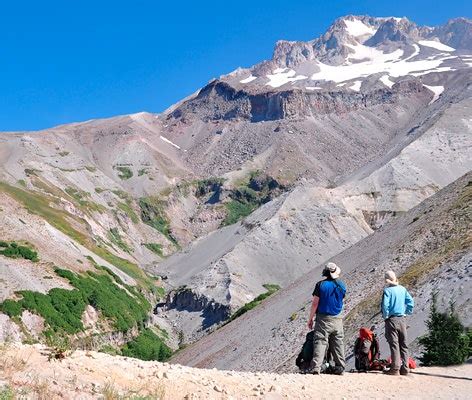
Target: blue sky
[66,61]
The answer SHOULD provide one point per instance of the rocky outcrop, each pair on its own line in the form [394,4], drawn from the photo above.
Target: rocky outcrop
[221,101]
[185,299]
[457,33]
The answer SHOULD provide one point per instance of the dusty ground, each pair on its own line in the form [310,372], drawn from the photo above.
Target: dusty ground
[26,371]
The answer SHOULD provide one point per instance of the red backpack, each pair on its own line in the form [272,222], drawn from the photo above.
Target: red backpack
[366,350]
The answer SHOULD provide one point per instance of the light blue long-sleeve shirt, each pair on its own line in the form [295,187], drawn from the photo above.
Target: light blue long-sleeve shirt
[396,301]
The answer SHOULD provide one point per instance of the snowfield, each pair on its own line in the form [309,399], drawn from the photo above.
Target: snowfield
[376,62]
[435,45]
[437,90]
[249,79]
[280,77]
[357,28]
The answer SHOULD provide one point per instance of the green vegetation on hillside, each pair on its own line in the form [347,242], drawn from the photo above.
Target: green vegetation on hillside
[80,198]
[115,237]
[15,250]
[39,204]
[124,172]
[250,195]
[271,289]
[62,309]
[153,214]
[155,248]
[128,210]
[237,210]
[147,346]
[205,186]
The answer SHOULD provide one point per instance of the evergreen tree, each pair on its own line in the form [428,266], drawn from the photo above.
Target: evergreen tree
[446,342]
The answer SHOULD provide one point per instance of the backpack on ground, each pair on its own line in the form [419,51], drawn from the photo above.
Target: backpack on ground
[366,351]
[305,356]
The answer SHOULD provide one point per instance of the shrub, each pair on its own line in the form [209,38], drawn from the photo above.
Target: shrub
[124,172]
[237,210]
[250,195]
[446,342]
[14,250]
[62,309]
[147,346]
[11,308]
[7,393]
[205,186]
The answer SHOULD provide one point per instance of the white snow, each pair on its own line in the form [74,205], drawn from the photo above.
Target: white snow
[435,45]
[168,141]
[313,87]
[248,79]
[356,86]
[376,61]
[280,78]
[437,90]
[386,81]
[362,52]
[358,28]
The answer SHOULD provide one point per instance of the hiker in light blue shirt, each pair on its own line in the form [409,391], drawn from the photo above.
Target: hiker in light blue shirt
[396,304]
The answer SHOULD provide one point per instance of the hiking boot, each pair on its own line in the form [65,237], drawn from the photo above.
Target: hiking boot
[312,370]
[394,372]
[404,371]
[338,370]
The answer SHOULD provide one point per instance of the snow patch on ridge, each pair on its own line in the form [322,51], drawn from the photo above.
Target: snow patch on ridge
[436,45]
[356,86]
[437,90]
[386,81]
[248,79]
[358,28]
[279,77]
[168,141]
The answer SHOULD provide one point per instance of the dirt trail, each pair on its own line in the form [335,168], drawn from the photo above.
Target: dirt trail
[90,375]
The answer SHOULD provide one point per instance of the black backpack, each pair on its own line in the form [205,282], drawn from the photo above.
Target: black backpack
[306,354]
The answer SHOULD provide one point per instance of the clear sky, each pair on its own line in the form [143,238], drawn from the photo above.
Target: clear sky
[67,61]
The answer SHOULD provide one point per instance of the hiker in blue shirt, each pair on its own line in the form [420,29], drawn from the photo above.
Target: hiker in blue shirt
[328,304]
[396,304]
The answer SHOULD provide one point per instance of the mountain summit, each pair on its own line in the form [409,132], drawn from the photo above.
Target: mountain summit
[356,47]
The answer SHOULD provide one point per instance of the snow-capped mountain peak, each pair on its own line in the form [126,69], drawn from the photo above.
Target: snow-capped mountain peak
[355,48]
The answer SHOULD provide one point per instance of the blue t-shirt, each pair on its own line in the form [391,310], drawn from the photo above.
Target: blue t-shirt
[331,293]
